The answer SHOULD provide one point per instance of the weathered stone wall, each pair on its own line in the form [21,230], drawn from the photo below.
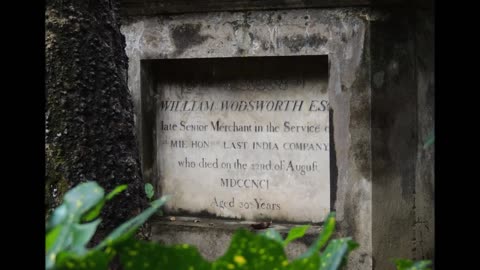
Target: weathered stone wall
[342,34]
[394,138]
[402,119]
[424,182]
[381,96]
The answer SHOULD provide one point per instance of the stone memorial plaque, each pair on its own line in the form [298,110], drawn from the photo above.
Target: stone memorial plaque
[242,144]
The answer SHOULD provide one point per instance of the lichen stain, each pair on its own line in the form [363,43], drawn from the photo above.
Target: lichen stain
[297,42]
[151,39]
[361,152]
[359,119]
[186,36]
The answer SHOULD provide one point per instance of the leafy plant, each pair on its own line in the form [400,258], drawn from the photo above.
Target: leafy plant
[149,191]
[73,224]
[70,228]
[405,264]
[430,140]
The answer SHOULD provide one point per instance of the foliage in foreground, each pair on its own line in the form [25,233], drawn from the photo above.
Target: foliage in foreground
[73,224]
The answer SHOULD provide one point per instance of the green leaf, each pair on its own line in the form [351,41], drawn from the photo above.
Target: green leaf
[115,191]
[96,210]
[149,191]
[124,231]
[335,253]
[406,264]
[58,216]
[76,202]
[402,264]
[324,236]
[92,260]
[136,254]
[421,265]
[296,233]
[251,251]
[61,241]
[82,233]
[430,140]
[352,245]
[83,197]
[308,263]
[51,237]
[272,234]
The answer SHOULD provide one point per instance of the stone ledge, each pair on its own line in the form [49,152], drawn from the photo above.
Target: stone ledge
[226,224]
[212,236]
[155,7]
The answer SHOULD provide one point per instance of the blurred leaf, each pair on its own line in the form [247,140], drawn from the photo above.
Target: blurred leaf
[159,213]
[251,251]
[352,245]
[76,202]
[58,216]
[272,234]
[312,262]
[430,140]
[421,265]
[296,233]
[82,233]
[405,264]
[96,210]
[83,197]
[324,236]
[93,260]
[115,191]
[51,237]
[126,229]
[136,254]
[67,239]
[149,191]
[335,252]
[61,242]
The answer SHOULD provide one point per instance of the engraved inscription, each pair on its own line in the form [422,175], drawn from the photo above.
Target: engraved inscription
[245,149]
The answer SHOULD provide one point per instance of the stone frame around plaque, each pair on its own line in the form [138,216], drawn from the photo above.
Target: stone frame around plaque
[342,34]
[177,70]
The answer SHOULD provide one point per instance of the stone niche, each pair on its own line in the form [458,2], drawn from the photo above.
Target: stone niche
[251,116]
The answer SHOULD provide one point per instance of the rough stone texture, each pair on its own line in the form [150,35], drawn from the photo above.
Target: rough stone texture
[424,182]
[394,139]
[90,132]
[402,119]
[342,34]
